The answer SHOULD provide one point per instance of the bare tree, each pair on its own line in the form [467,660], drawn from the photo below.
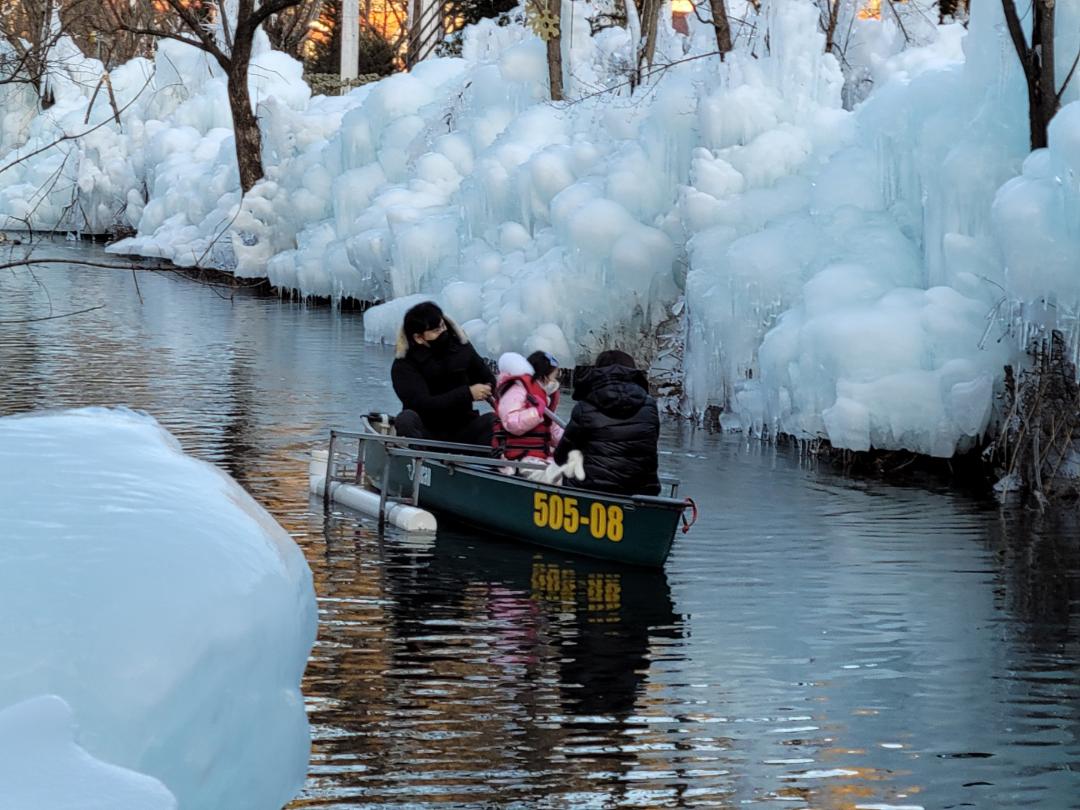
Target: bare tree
[722,25]
[26,32]
[829,13]
[554,53]
[289,28]
[31,30]
[105,39]
[1037,60]
[649,12]
[232,51]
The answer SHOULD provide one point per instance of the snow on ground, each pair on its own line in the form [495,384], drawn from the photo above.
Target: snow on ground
[42,767]
[153,596]
[859,276]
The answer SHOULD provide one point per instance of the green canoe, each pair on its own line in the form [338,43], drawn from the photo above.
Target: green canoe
[445,480]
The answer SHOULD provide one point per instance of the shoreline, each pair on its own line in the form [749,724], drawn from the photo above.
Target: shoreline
[972,472]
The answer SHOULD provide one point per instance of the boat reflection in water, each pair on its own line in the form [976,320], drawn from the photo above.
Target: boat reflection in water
[478,670]
[616,615]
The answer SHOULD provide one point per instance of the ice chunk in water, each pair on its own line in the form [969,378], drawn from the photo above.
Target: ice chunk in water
[160,601]
[42,767]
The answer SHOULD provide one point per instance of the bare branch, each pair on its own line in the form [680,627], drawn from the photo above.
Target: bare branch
[53,317]
[76,136]
[289,30]
[159,33]
[900,23]
[655,69]
[135,278]
[112,100]
[1068,78]
[196,27]
[93,98]
[30,262]
[226,34]
[1016,31]
[268,9]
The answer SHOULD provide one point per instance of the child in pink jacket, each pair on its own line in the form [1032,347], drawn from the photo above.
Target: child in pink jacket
[526,390]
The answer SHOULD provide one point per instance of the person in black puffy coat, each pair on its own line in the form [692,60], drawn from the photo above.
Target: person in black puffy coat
[438,376]
[616,426]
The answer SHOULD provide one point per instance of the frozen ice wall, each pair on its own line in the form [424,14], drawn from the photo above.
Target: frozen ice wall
[42,175]
[18,104]
[564,226]
[159,601]
[1036,216]
[784,223]
[538,225]
[73,167]
[879,305]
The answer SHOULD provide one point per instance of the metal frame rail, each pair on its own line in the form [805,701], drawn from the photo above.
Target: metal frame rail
[401,446]
[418,450]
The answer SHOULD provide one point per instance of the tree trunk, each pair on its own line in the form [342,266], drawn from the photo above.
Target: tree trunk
[722,25]
[1042,46]
[650,26]
[554,54]
[830,28]
[245,124]
[1037,61]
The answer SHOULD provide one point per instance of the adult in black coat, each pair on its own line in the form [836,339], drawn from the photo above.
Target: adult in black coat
[616,426]
[438,376]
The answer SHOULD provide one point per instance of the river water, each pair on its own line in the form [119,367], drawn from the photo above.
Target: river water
[816,640]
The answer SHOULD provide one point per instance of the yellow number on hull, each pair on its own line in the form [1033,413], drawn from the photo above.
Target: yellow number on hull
[561,514]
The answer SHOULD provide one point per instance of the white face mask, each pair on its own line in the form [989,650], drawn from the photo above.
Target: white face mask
[551,386]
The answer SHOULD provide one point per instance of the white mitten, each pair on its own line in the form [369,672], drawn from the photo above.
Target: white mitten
[552,474]
[574,466]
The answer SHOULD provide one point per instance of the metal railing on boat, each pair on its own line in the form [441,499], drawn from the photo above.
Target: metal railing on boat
[403,447]
[420,450]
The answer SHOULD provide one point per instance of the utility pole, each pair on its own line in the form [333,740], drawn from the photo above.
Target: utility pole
[350,39]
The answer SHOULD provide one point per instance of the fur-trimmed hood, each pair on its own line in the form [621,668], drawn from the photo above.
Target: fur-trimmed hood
[401,347]
[512,364]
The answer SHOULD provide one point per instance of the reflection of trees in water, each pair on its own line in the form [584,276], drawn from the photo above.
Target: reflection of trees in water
[1040,575]
[343,680]
[1040,571]
[239,432]
[491,664]
[20,356]
[85,359]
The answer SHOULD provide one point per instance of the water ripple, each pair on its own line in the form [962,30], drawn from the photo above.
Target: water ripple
[816,641]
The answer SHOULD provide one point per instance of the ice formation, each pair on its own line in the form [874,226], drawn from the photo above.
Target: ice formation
[742,196]
[159,601]
[877,299]
[42,767]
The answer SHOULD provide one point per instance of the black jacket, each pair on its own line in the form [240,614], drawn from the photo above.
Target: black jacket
[616,426]
[436,386]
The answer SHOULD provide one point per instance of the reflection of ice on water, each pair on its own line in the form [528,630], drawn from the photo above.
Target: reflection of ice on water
[791,573]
